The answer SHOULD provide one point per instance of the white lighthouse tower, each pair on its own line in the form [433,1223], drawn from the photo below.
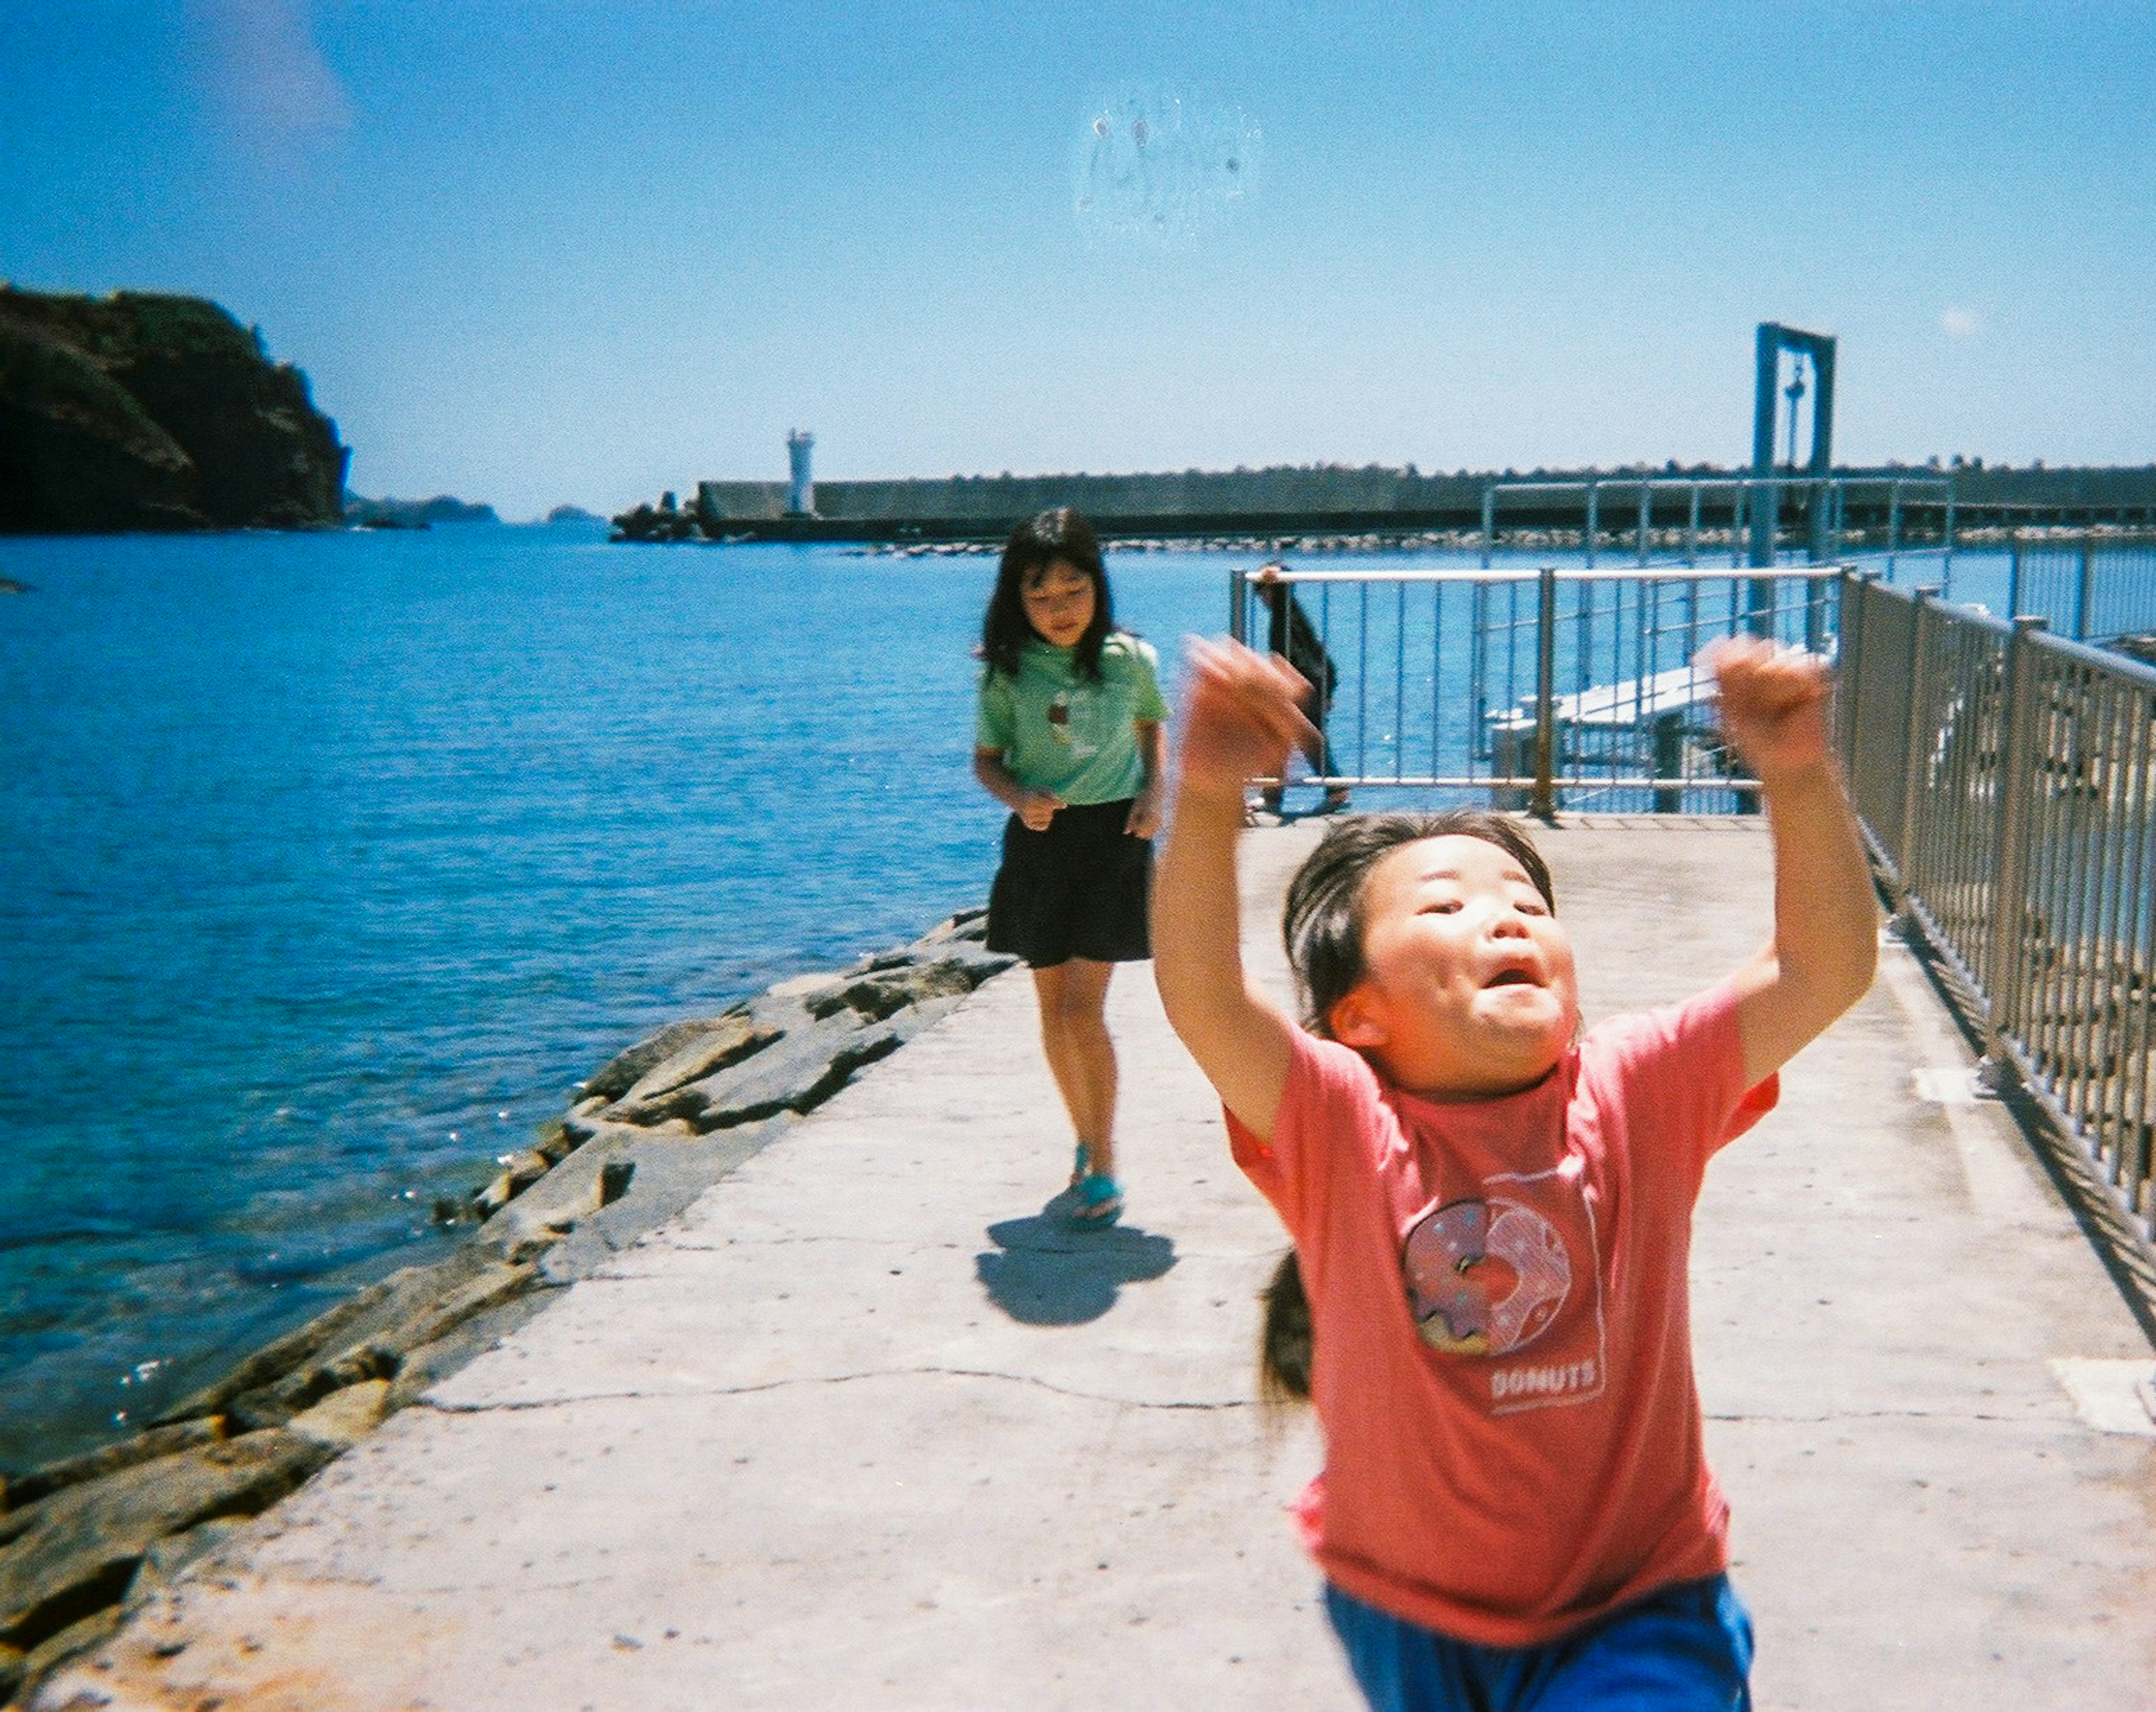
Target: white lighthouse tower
[801,497]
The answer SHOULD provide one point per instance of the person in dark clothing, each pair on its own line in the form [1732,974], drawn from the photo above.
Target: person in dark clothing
[1289,635]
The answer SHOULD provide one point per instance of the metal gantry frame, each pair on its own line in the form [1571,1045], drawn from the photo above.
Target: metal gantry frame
[1817,349]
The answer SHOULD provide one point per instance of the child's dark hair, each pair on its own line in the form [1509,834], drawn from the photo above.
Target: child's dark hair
[1323,925]
[1035,544]
[1283,1341]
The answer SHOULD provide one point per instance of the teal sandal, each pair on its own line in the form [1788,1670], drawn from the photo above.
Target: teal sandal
[1099,1200]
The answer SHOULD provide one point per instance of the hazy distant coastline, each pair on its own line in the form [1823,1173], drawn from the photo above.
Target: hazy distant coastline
[413,514]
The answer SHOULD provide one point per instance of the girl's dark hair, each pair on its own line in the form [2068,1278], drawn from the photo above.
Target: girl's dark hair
[1324,922]
[1034,545]
[1323,925]
[1283,1341]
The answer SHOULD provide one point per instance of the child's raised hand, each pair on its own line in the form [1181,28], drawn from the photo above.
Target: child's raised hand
[1773,702]
[1243,713]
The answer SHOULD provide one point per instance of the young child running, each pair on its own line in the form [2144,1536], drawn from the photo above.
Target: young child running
[1493,1217]
[1070,735]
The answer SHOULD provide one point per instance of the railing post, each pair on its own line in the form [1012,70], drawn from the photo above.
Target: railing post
[1544,805]
[1238,627]
[1489,520]
[1853,605]
[2010,874]
[2081,596]
[1759,591]
[1594,523]
[1668,762]
[1912,748]
[1647,519]
[1765,500]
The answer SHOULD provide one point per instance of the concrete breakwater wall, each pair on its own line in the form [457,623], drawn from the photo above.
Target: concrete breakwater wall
[1191,493]
[1295,499]
[82,1542]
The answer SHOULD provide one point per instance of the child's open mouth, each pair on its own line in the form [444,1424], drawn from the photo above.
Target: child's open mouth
[1511,977]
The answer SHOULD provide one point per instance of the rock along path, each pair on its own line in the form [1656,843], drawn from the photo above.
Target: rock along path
[865,1426]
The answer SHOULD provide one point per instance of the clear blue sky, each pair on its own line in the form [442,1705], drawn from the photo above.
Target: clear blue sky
[553,252]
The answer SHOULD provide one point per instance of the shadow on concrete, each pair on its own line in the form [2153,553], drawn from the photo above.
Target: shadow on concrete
[1046,1271]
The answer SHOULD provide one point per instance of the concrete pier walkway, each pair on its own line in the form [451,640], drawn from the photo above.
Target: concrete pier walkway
[867,1428]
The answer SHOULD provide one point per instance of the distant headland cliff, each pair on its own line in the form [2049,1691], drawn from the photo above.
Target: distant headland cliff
[141,411]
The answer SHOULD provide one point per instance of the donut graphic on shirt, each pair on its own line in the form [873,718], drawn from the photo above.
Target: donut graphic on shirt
[1485,1278]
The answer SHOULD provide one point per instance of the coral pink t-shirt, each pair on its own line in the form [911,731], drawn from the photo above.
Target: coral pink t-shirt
[1503,1351]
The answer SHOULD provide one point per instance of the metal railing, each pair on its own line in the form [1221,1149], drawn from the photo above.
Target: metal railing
[1829,518]
[2006,779]
[1544,689]
[2093,588]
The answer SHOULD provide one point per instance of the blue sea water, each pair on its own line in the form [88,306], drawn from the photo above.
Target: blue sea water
[329,863]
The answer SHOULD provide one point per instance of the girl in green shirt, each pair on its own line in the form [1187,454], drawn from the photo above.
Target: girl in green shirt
[1070,735]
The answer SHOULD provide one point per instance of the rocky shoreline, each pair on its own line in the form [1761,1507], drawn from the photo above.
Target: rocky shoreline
[83,1541]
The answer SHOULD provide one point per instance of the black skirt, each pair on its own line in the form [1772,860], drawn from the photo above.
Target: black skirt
[1078,890]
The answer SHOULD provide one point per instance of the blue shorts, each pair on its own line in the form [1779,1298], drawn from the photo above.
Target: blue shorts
[1686,1648]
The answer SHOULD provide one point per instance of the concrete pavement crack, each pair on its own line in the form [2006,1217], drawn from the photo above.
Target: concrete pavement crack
[438,1406]
[1976,1415]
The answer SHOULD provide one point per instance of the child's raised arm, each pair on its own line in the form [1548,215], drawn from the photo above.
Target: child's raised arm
[1242,714]
[1826,946]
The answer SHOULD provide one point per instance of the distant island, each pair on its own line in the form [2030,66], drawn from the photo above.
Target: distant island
[363,513]
[413,514]
[144,411]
